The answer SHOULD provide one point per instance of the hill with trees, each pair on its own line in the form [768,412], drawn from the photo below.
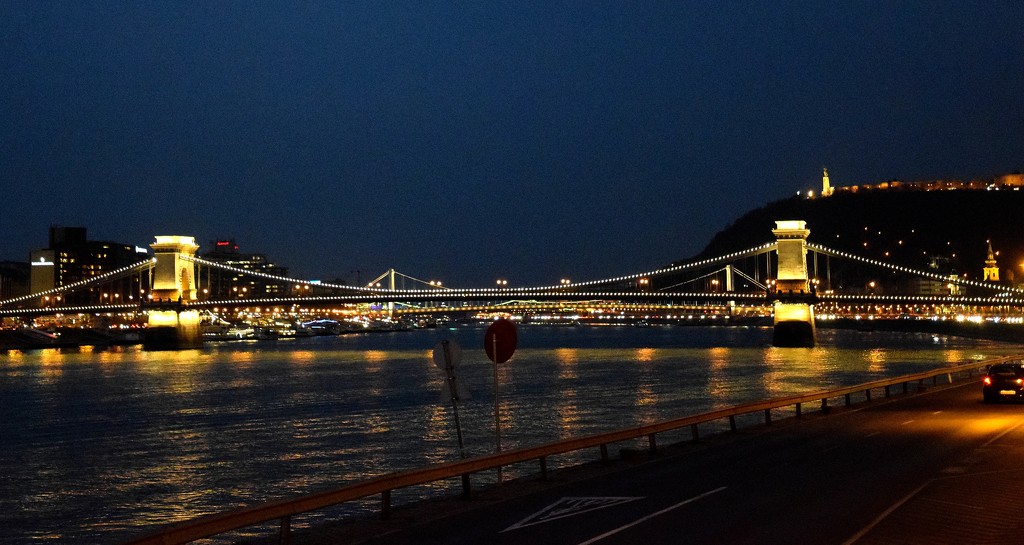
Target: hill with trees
[948,230]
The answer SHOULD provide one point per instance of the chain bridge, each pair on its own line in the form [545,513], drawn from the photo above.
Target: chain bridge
[788,279]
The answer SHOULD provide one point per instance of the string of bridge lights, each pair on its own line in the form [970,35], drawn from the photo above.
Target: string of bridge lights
[457,294]
[454,291]
[952,280]
[275,277]
[81,283]
[85,309]
[927,299]
[756,250]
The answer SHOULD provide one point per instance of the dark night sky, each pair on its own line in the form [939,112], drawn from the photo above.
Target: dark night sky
[477,140]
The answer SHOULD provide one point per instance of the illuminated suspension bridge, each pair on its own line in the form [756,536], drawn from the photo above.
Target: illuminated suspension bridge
[787,271]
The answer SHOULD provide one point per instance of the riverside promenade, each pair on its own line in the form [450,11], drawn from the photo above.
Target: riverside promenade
[936,466]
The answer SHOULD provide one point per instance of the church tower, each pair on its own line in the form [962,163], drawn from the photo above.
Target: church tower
[826,187]
[991,271]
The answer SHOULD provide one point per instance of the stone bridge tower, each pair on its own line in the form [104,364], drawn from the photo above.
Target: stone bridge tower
[794,319]
[172,324]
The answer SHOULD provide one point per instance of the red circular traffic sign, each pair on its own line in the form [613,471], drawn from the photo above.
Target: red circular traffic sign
[500,340]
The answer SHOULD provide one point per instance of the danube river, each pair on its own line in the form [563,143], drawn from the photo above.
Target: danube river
[100,445]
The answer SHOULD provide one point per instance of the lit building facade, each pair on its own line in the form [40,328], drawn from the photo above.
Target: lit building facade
[219,284]
[71,257]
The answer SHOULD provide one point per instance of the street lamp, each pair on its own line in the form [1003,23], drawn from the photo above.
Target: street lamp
[502,282]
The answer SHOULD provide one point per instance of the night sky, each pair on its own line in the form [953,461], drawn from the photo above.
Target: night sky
[470,141]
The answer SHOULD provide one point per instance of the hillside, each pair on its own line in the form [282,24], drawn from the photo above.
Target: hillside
[902,227]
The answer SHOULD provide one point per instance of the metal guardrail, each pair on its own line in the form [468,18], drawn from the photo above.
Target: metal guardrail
[211,525]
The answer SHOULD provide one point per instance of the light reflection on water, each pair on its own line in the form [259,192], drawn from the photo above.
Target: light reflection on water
[99,443]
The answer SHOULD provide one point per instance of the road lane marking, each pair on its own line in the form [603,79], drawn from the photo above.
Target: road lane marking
[872,434]
[907,422]
[652,515]
[1006,431]
[569,506]
[885,514]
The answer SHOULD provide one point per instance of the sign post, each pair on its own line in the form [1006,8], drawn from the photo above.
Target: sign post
[446,356]
[499,343]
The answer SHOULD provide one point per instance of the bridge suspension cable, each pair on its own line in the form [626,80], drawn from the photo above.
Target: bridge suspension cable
[105,277]
[748,278]
[694,279]
[755,251]
[899,268]
[222,266]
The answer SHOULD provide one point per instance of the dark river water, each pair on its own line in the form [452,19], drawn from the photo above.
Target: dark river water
[100,445]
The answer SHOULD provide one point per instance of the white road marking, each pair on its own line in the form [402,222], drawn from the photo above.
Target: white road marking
[886,513]
[1004,432]
[652,515]
[907,422]
[569,506]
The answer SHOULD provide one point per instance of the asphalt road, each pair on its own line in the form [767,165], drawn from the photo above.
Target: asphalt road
[936,467]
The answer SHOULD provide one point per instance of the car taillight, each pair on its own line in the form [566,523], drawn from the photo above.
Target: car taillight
[1020,381]
[987,381]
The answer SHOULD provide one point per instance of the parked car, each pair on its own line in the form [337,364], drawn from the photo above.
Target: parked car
[1003,381]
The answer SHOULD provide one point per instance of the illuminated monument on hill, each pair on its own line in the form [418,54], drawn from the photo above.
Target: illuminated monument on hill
[826,187]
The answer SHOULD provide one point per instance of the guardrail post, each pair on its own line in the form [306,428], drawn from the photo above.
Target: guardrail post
[385,505]
[867,394]
[543,468]
[799,411]
[465,486]
[652,443]
[767,417]
[886,391]
[906,387]
[824,405]
[604,453]
[285,537]
[694,434]
[848,403]
[732,422]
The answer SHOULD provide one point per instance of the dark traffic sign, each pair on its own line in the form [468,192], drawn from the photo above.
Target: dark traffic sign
[500,340]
